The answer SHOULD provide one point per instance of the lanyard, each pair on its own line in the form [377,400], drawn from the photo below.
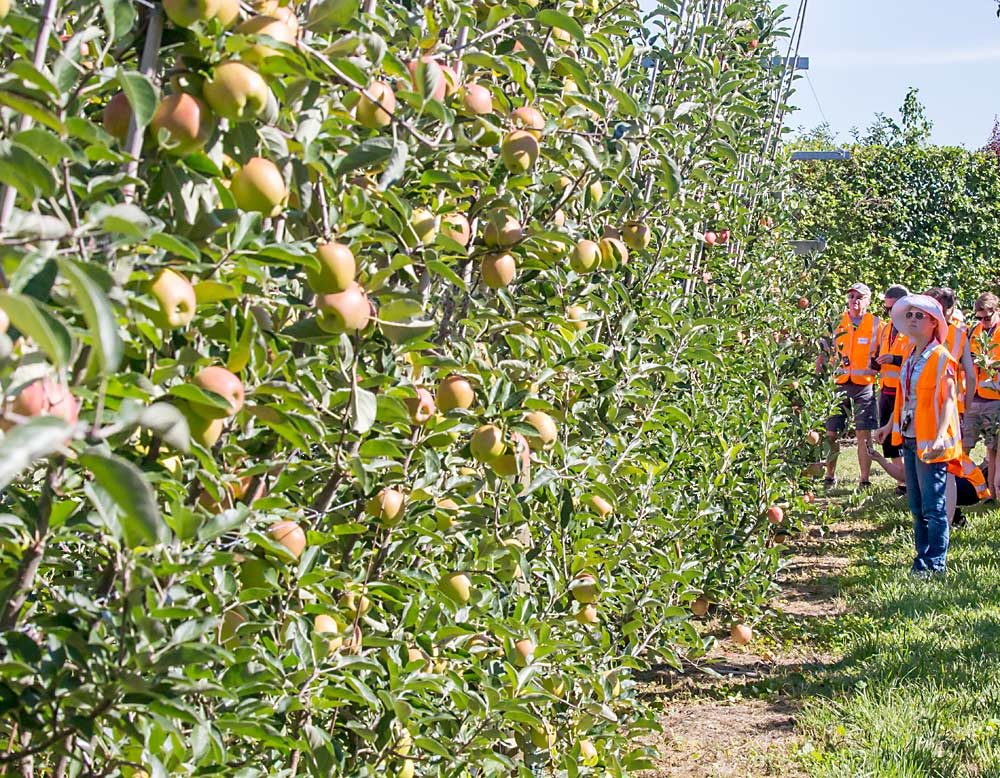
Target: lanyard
[911,366]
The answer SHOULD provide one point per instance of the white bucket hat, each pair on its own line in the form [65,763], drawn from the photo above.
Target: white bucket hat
[922,303]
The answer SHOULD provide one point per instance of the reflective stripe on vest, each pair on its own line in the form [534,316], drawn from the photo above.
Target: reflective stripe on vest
[986,385]
[858,347]
[956,343]
[966,468]
[933,399]
[894,346]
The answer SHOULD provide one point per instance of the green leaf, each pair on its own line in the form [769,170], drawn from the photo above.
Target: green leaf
[395,167]
[29,108]
[122,219]
[45,144]
[365,154]
[98,314]
[196,394]
[553,18]
[141,95]
[364,405]
[214,291]
[168,423]
[22,170]
[672,176]
[34,320]
[28,442]
[174,244]
[128,487]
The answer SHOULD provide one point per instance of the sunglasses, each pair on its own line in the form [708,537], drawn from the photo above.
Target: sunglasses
[918,315]
[984,317]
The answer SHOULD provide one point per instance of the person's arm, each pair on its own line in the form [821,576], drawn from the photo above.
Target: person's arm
[950,410]
[885,430]
[970,372]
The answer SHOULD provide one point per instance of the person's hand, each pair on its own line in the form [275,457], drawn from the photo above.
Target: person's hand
[881,434]
[884,359]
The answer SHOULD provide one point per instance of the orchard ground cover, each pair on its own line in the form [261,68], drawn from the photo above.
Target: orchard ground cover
[861,670]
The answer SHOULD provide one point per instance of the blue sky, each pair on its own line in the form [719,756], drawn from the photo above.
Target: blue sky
[865,53]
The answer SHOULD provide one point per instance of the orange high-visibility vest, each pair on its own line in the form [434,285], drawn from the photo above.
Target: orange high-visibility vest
[935,397]
[957,342]
[983,379]
[855,349]
[893,342]
[966,468]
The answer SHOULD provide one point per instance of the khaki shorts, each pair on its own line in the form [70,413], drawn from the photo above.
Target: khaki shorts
[982,418]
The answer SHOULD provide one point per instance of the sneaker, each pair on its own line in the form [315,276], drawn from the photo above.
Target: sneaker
[920,575]
[864,485]
[900,491]
[829,483]
[959,519]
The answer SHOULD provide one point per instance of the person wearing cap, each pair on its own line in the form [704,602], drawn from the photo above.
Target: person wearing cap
[982,411]
[855,344]
[957,343]
[925,422]
[892,348]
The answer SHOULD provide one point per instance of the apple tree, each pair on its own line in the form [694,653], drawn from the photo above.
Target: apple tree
[384,384]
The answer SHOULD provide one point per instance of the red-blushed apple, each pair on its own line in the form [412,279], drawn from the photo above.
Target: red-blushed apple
[387,506]
[264,25]
[376,106]
[501,230]
[186,120]
[117,116]
[290,535]
[775,514]
[601,506]
[528,118]
[236,91]
[498,270]
[421,407]
[456,226]
[700,607]
[723,236]
[711,238]
[455,392]
[585,257]
[347,311]
[587,614]
[223,383]
[477,99]
[545,426]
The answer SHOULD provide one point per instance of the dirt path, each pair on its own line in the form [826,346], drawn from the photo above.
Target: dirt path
[734,713]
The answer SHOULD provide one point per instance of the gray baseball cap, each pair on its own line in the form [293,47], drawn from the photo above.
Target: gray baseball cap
[861,289]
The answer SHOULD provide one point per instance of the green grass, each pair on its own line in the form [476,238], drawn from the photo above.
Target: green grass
[916,688]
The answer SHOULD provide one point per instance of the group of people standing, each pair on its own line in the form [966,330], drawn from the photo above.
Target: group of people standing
[936,397]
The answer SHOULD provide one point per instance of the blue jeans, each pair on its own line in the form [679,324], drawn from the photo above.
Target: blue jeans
[925,488]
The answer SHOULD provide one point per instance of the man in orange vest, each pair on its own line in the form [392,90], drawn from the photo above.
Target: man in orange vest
[854,346]
[982,412]
[925,421]
[892,349]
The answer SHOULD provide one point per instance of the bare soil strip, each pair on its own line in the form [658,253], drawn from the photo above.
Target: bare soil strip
[734,713]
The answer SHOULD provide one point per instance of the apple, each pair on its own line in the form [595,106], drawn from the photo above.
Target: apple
[528,118]
[347,311]
[753,44]
[186,120]
[286,15]
[205,431]
[117,116]
[583,587]
[290,535]
[519,151]
[813,438]
[4,8]
[440,89]
[236,92]
[477,99]
[330,625]
[174,295]
[559,218]
[456,226]
[501,230]
[525,649]
[224,383]
[264,25]
[374,109]
[227,12]
[455,392]
[613,252]
[487,443]
[498,270]
[456,587]
[711,238]
[723,236]
[546,428]
[585,257]
[593,193]
[354,604]
[504,465]
[187,13]
[337,268]
[809,498]
[46,397]
[387,506]
[259,186]
[542,737]
[700,607]
[425,225]
[421,407]
[587,614]
[802,303]
[602,506]
[775,514]
[636,235]
[588,753]
[575,316]
[4,321]
[741,634]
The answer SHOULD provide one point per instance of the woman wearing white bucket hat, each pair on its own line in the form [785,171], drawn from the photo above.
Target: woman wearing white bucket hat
[925,421]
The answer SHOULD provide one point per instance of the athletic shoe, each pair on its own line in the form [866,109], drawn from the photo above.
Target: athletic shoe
[959,520]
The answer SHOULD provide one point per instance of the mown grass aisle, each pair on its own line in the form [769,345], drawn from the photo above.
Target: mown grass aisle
[917,689]
[863,671]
